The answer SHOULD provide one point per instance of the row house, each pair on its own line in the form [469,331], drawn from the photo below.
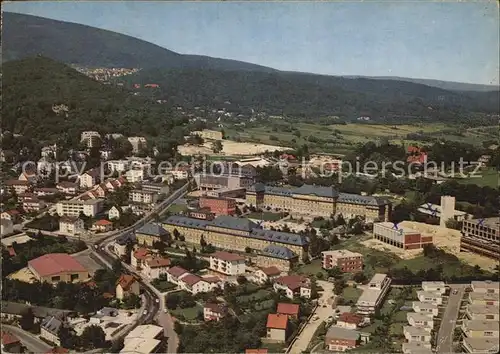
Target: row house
[420,320]
[483,312]
[485,287]
[484,299]
[430,297]
[417,334]
[434,286]
[425,308]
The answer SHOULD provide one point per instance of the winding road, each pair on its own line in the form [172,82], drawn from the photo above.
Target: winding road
[31,342]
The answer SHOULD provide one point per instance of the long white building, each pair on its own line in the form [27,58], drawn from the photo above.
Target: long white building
[373,295]
[89,207]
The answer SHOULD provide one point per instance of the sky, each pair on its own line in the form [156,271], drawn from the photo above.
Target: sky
[436,40]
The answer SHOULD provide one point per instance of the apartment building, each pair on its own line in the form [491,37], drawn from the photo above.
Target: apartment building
[91,139]
[480,345]
[150,233]
[138,143]
[218,206]
[317,200]
[135,175]
[425,308]
[67,187]
[71,225]
[294,286]
[159,188]
[119,166]
[372,297]
[400,237]
[17,185]
[227,263]
[279,256]
[90,178]
[154,267]
[90,207]
[208,182]
[483,312]
[481,236]
[141,196]
[485,287]
[347,261]
[430,297]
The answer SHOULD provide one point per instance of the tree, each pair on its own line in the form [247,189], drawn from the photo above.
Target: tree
[176,234]
[335,272]
[203,243]
[27,320]
[132,301]
[359,277]
[339,286]
[93,337]
[117,266]
[217,146]
[178,327]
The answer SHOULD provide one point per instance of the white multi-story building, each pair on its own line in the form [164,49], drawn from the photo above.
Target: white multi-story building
[135,175]
[434,286]
[425,308]
[373,295]
[417,334]
[118,165]
[140,196]
[420,320]
[430,297]
[227,263]
[137,142]
[90,138]
[90,178]
[89,207]
[71,225]
[483,312]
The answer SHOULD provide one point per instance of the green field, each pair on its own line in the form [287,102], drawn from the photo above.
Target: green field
[177,208]
[163,285]
[266,216]
[351,294]
[187,314]
[488,178]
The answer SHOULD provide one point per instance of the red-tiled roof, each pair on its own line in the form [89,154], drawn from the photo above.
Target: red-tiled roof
[288,309]
[293,282]
[13,212]
[55,263]
[177,271]
[16,182]
[270,271]
[277,321]
[351,318]
[126,281]
[9,338]
[256,351]
[158,262]
[103,222]
[213,279]
[217,308]
[67,184]
[57,350]
[227,256]
[191,279]
[141,253]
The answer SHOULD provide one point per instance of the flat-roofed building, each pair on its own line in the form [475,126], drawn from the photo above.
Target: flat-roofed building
[485,287]
[417,348]
[480,345]
[218,206]
[483,312]
[208,182]
[417,334]
[430,297]
[425,308]
[480,329]
[420,319]
[397,236]
[372,297]
[434,286]
[90,207]
[142,196]
[143,339]
[484,299]
[481,236]
[347,261]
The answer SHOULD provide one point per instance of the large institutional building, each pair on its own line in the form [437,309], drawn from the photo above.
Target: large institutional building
[228,232]
[481,236]
[400,237]
[318,201]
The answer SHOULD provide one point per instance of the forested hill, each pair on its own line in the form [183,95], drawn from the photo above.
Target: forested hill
[26,36]
[313,95]
[32,86]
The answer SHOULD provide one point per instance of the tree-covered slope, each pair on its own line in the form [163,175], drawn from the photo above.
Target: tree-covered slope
[31,88]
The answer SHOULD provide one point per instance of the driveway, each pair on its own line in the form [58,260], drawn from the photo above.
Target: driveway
[445,333]
[302,341]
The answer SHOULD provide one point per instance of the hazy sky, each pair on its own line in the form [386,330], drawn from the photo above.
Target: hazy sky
[437,40]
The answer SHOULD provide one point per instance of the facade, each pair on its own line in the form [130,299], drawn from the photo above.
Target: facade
[339,339]
[218,206]
[347,261]
[89,207]
[67,187]
[138,257]
[135,175]
[126,285]
[150,233]
[56,267]
[233,233]
[141,196]
[396,236]
[318,200]
[90,138]
[434,286]
[277,327]
[279,256]
[18,186]
[372,297]
[481,236]
[425,308]
[32,203]
[266,274]
[430,297]
[227,263]
[138,142]
[90,178]
[71,225]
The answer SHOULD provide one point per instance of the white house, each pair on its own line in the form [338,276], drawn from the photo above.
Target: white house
[485,287]
[154,267]
[293,285]
[227,263]
[71,225]
[426,296]
[417,334]
[174,274]
[425,308]
[264,275]
[194,284]
[420,320]
[434,286]
[372,296]
[114,213]
[90,178]
[135,175]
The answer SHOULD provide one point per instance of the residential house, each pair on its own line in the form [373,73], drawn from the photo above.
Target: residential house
[483,312]
[429,297]
[49,329]
[425,308]
[114,213]
[268,274]
[417,348]
[480,329]
[71,225]
[10,343]
[18,186]
[150,233]
[277,327]
[488,299]
[121,242]
[154,267]
[194,284]
[485,287]
[28,176]
[214,312]
[138,257]
[291,310]
[417,334]
[293,285]
[174,274]
[434,286]
[102,225]
[100,190]
[227,263]
[420,320]
[126,285]
[12,215]
[67,187]
[349,320]
[480,345]
[90,178]
[340,339]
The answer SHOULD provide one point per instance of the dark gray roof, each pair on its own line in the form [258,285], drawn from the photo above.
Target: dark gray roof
[278,252]
[281,237]
[51,324]
[231,222]
[185,221]
[16,308]
[152,229]
[342,333]
[306,189]
[361,199]
[123,239]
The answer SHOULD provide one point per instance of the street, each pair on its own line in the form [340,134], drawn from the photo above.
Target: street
[445,333]
[32,343]
[303,340]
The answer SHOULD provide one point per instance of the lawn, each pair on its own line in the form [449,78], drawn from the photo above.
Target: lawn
[489,178]
[177,208]
[163,285]
[266,216]
[187,314]
[254,297]
[312,268]
[350,293]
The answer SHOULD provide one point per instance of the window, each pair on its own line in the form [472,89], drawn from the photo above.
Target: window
[56,278]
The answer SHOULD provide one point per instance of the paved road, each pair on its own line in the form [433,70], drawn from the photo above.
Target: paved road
[32,343]
[302,342]
[445,333]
